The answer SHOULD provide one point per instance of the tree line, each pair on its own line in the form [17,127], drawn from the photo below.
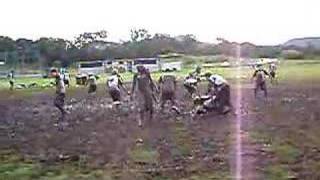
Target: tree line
[95,45]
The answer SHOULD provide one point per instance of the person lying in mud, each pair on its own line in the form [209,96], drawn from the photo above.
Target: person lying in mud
[92,83]
[217,98]
[260,80]
[272,72]
[168,86]
[114,84]
[191,83]
[143,82]
[60,95]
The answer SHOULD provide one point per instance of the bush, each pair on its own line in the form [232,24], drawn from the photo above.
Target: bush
[292,54]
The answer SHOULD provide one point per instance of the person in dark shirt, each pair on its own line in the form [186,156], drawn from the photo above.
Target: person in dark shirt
[272,72]
[260,80]
[144,85]
[59,100]
[11,79]
[168,86]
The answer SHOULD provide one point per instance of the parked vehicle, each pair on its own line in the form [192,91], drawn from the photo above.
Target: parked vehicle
[91,67]
[153,64]
[171,66]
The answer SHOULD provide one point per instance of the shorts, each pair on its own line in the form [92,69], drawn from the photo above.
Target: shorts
[167,95]
[261,85]
[92,89]
[273,74]
[145,102]
[59,100]
[115,94]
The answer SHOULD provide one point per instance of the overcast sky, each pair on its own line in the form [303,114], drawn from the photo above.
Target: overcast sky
[257,21]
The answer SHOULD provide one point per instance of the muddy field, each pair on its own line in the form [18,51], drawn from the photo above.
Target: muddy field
[103,137]
[280,137]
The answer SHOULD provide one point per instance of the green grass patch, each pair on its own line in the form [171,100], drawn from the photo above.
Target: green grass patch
[277,172]
[144,154]
[13,167]
[286,153]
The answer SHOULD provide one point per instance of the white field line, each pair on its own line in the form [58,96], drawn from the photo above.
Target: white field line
[238,175]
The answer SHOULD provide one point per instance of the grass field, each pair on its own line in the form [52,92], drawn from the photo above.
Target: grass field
[293,70]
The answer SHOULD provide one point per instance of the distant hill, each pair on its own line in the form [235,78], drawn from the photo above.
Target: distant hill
[303,43]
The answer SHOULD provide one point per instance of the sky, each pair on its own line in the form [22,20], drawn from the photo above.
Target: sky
[263,22]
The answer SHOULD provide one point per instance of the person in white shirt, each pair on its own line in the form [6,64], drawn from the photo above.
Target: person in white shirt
[114,84]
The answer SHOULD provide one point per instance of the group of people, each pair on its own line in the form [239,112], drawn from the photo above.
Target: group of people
[144,90]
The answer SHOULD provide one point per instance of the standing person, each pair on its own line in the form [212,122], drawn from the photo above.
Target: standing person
[60,95]
[168,86]
[272,72]
[260,80]
[11,79]
[66,77]
[143,82]
[92,82]
[114,83]
[197,72]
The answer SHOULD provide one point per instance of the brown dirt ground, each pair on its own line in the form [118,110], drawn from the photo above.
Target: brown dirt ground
[184,146]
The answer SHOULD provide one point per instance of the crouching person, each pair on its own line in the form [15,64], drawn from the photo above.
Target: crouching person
[190,83]
[114,83]
[222,93]
[218,96]
[168,86]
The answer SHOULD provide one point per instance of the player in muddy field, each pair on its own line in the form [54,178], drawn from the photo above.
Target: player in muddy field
[11,79]
[114,86]
[191,84]
[259,76]
[66,77]
[168,86]
[59,100]
[197,72]
[272,73]
[144,87]
[217,97]
[191,81]
[92,83]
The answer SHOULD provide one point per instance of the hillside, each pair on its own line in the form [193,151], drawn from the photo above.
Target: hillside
[303,43]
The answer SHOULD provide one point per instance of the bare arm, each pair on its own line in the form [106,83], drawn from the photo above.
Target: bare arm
[254,74]
[152,84]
